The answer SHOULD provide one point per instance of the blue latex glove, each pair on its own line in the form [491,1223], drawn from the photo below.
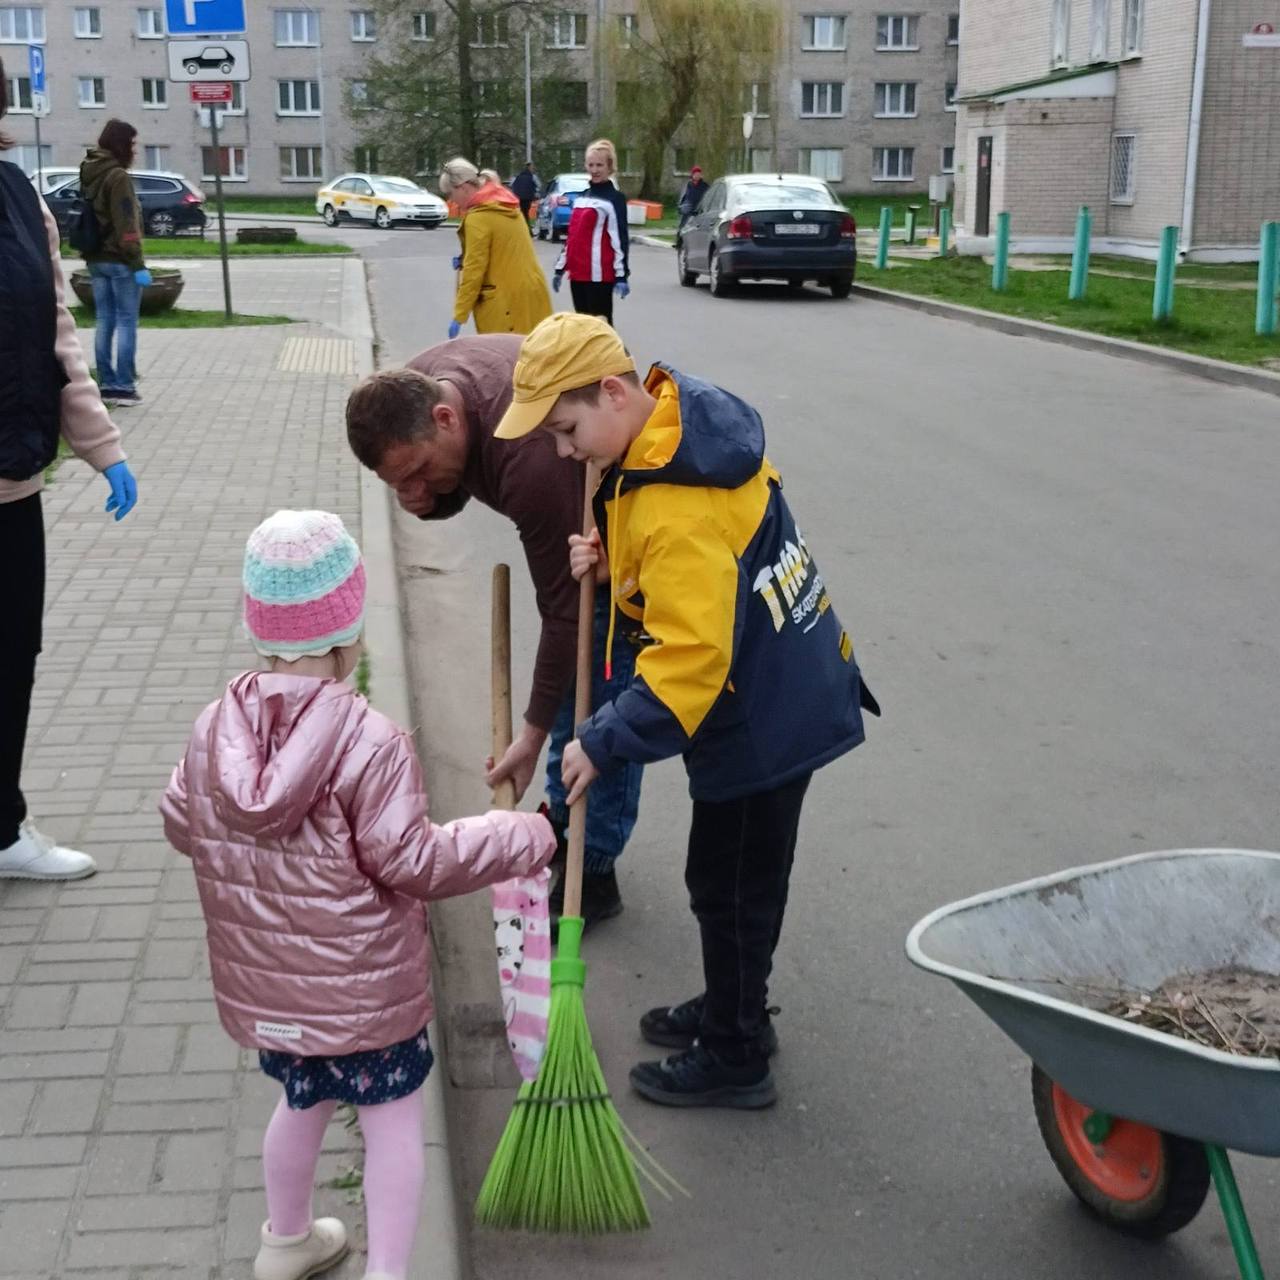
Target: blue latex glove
[142,276]
[622,288]
[124,489]
[556,279]
[456,264]
[454,328]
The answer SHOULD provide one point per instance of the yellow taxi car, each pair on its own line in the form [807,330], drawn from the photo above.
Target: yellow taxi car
[380,200]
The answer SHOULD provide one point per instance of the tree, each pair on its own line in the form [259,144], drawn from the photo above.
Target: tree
[684,68]
[449,80]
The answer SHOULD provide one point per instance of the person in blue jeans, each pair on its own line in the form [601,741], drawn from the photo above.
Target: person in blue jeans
[116,267]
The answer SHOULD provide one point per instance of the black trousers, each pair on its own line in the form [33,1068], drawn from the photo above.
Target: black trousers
[739,868]
[22,590]
[525,206]
[592,299]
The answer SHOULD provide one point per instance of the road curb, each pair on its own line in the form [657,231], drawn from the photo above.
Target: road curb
[439,1248]
[1220,371]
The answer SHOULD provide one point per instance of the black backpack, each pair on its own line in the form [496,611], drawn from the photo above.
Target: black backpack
[84,231]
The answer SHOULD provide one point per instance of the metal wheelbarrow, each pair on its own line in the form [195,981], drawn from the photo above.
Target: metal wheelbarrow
[1136,1120]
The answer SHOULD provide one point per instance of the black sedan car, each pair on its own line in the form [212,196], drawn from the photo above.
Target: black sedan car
[170,204]
[769,226]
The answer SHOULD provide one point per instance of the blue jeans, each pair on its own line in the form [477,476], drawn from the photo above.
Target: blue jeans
[116,295]
[613,799]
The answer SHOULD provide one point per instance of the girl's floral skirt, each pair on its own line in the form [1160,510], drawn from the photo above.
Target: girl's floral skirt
[363,1079]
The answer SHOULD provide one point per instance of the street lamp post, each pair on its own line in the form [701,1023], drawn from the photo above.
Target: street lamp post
[324,97]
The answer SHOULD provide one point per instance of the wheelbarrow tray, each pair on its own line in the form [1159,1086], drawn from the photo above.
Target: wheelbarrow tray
[1131,923]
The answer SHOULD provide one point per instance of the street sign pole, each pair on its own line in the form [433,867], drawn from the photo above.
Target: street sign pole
[222,222]
[35,63]
[39,162]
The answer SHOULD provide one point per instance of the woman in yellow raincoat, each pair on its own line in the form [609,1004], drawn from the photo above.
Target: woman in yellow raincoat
[501,283]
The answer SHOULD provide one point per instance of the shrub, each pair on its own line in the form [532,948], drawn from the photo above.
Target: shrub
[266,235]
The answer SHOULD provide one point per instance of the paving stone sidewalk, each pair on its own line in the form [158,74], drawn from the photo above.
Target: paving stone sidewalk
[130,1126]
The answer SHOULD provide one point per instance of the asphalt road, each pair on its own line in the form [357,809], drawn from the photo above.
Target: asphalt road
[1060,572]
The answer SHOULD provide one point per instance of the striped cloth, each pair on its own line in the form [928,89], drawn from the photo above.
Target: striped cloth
[522,934]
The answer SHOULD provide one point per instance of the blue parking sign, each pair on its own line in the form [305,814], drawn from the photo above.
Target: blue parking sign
[35,60]
[204,17]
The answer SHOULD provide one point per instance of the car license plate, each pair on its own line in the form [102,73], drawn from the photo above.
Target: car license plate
[796,229]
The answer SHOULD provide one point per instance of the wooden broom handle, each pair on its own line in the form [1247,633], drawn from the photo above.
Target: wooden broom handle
[504,794]
[582,706]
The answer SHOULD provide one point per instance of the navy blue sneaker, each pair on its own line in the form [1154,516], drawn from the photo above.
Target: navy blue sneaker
[677,1027]
[699,1078]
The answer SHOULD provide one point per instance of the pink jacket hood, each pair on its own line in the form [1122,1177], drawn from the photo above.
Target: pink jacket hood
[304,814]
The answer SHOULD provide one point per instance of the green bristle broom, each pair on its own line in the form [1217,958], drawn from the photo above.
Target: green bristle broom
[563,1164]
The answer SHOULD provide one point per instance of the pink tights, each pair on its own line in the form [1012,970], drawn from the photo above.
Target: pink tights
[393,1174]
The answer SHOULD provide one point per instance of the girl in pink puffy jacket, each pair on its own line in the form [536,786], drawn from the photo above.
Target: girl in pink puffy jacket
[303,812]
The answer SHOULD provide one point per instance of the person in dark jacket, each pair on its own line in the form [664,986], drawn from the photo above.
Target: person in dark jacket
[691,197]
[45,392]
[116,266]
[427,431]
[597,248]
[524,186]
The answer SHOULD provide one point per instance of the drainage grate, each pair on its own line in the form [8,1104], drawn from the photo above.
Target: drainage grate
[318,355]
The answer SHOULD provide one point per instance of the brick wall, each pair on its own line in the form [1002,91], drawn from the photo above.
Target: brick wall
[1055,161]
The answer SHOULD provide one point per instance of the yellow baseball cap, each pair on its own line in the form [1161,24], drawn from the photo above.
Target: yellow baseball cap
[564,352]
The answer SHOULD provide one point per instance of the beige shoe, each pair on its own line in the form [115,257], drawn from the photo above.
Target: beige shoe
[297,1257]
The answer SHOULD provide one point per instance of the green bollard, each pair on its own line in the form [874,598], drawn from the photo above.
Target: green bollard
[1000,272]
[912,211]
[1080,258]
[882,249]
[1162,299]
[1268,266]
[944,230]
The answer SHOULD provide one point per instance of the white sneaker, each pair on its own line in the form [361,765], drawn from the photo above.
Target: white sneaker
[33,856]
[297,1257]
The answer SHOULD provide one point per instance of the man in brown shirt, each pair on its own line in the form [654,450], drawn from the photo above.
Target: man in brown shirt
[427,431]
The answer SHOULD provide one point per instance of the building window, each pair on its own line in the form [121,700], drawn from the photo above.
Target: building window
[893,164]
[826,163]
[27,160]
[755,99]
[953,28]
[297,97]
[296,27]
[948,159]
[19,95]
[88,24]
[949,95]
[686,158]
[364,25]
[22,24]
[568,98]
[366,159]
[232,164]
[567,159]
[91,91]
[893,99]
[628,29]
[492,97]
[300,163]
[424,25]
[155,157]
[1122,167]
[1132,27]
[897,31]
[1060,38]
[822,98]
[1099,28]
[629,160]
[824,31]
[566,30]
[492,31]
[155,93]
[151,24]
[236,106]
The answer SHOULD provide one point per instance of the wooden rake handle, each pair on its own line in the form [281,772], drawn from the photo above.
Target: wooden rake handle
[504,795]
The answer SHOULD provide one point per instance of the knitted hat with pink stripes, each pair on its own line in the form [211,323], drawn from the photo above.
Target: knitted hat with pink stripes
[304,585]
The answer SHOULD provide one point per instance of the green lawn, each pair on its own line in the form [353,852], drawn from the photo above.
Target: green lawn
[185,247]
[866,210]
[1234,272]
[1208,322]
[181,318]
[296,206]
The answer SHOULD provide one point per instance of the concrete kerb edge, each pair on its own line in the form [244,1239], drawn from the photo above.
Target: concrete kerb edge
[440,1242]
[1197,366]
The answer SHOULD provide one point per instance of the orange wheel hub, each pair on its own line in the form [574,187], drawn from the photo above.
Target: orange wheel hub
[1126,1165]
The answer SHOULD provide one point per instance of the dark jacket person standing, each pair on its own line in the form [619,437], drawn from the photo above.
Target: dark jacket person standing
[45,393]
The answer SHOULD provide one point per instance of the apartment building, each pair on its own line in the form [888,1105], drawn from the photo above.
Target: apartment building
[863,95]
[1153,113]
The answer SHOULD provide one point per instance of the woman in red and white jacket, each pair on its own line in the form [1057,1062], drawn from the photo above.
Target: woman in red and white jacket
[597,250]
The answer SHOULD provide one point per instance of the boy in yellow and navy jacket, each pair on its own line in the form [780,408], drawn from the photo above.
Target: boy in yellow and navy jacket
[745,670]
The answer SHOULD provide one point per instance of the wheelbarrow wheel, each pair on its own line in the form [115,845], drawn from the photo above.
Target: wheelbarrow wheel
[1139,1180]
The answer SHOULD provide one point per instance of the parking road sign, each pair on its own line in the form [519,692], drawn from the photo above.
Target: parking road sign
[204,17]
[35,61]
[208,60]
